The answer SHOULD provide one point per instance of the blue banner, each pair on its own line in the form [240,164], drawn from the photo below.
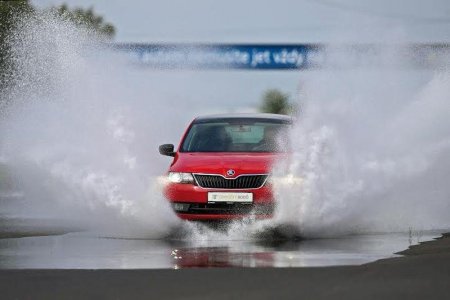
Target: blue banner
[284,57]
[223,56]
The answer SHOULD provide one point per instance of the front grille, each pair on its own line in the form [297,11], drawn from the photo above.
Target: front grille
[241,182]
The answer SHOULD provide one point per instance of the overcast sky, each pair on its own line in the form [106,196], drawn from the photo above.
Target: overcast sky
[272,21]
[238,21]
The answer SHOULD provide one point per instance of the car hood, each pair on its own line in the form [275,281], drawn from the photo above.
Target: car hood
[220,163]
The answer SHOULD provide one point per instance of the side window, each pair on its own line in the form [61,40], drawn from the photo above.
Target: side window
[189,140]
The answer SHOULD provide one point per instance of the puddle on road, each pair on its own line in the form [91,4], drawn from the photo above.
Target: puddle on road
[84,251]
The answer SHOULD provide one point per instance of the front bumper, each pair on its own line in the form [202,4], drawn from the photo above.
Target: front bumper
[190,202]
[217,217]
[223,211]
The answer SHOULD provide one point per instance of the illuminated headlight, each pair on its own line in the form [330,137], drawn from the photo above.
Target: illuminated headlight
[177,177]
[289,179]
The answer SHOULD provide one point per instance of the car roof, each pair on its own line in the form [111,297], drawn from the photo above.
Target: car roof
[261,117]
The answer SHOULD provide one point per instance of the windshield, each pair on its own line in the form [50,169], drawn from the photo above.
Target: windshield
[236,137]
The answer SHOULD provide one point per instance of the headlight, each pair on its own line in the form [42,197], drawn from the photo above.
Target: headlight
[289,179]
[177,177]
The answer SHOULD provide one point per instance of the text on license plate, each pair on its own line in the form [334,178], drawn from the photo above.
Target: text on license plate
[230,197]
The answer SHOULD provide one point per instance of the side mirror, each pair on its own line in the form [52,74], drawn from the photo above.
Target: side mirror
[167,149]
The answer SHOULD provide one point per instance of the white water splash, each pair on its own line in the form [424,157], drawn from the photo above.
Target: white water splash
[81,144]
[372,150]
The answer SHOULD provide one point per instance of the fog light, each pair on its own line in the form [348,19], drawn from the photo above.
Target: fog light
[180,206]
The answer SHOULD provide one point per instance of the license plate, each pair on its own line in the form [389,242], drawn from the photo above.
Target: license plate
[230,197]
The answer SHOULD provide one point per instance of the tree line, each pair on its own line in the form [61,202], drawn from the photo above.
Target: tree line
[13,12]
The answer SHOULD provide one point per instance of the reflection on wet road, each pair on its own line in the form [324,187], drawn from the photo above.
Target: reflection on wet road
[81,250]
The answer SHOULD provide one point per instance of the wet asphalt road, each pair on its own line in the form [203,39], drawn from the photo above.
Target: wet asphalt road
[90,251]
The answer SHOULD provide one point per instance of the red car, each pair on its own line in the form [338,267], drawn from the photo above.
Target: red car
[221,169]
